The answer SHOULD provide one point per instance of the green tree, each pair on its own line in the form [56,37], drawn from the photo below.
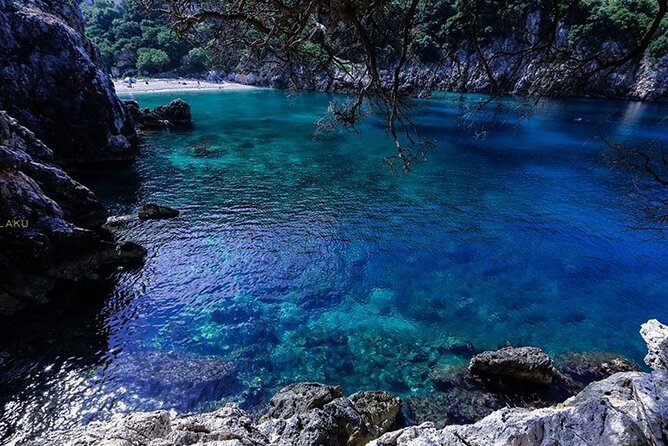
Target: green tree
[151,60]
[198,59]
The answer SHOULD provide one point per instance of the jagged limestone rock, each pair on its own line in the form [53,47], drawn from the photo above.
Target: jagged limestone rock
[655,335]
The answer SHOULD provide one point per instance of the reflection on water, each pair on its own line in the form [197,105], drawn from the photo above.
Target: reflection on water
[305,258]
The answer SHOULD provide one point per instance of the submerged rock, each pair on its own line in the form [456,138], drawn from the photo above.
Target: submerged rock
[153,211]
[577,370]
[175,115]
[185,382]
[515,363]
[51,83]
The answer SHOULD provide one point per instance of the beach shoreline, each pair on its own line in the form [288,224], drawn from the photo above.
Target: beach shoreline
[147,85]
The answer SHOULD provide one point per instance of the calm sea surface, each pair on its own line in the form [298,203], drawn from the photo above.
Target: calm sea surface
[304,257]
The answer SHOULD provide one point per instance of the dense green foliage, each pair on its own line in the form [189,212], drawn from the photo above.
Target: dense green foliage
[590,24]
[132,41]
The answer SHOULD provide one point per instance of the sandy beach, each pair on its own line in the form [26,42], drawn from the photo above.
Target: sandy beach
[167,85]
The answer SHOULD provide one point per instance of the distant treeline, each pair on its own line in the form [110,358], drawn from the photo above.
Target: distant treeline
[132,41]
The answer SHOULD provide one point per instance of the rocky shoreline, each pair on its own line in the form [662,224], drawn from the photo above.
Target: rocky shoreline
[627,408]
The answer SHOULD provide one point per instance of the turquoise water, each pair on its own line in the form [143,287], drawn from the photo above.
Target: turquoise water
[304,257]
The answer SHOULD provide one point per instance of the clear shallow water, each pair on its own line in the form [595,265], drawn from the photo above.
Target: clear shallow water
[306,258]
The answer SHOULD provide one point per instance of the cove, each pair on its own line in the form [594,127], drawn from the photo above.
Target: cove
[302,256]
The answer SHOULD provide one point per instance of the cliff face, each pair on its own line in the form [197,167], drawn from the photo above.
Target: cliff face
[48,223]
[50,82]
[532,74]
[56,106]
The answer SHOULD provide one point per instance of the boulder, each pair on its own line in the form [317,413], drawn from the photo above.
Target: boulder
[175,115]
[655,335]
[336,424]
[177,112]
[515,363]
[300,398]
[153,211]
[51,83]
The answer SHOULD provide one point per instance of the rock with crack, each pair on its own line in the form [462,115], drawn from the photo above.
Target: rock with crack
[300,398]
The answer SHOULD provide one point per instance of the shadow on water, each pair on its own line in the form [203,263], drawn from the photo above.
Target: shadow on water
[116,184]
[43,343]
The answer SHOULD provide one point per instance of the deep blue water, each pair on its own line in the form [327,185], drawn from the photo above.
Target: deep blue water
[304,257]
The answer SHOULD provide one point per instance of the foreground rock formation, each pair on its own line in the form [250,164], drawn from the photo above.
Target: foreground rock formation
[520,363]
[625,409]
[303,414]
[50,82]
[50,223]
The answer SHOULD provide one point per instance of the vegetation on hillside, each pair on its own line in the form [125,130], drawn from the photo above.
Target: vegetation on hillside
[133,41]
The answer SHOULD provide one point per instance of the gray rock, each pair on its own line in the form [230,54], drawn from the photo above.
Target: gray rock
[626,409]
[379,410]
[516,363]
[655,335]
[174,115]
[153,211]
[300,398]
[314,428]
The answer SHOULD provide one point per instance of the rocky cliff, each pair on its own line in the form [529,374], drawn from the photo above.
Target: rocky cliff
[50,82]
[49,223]
[645,80]
[57,107]
[625,409]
